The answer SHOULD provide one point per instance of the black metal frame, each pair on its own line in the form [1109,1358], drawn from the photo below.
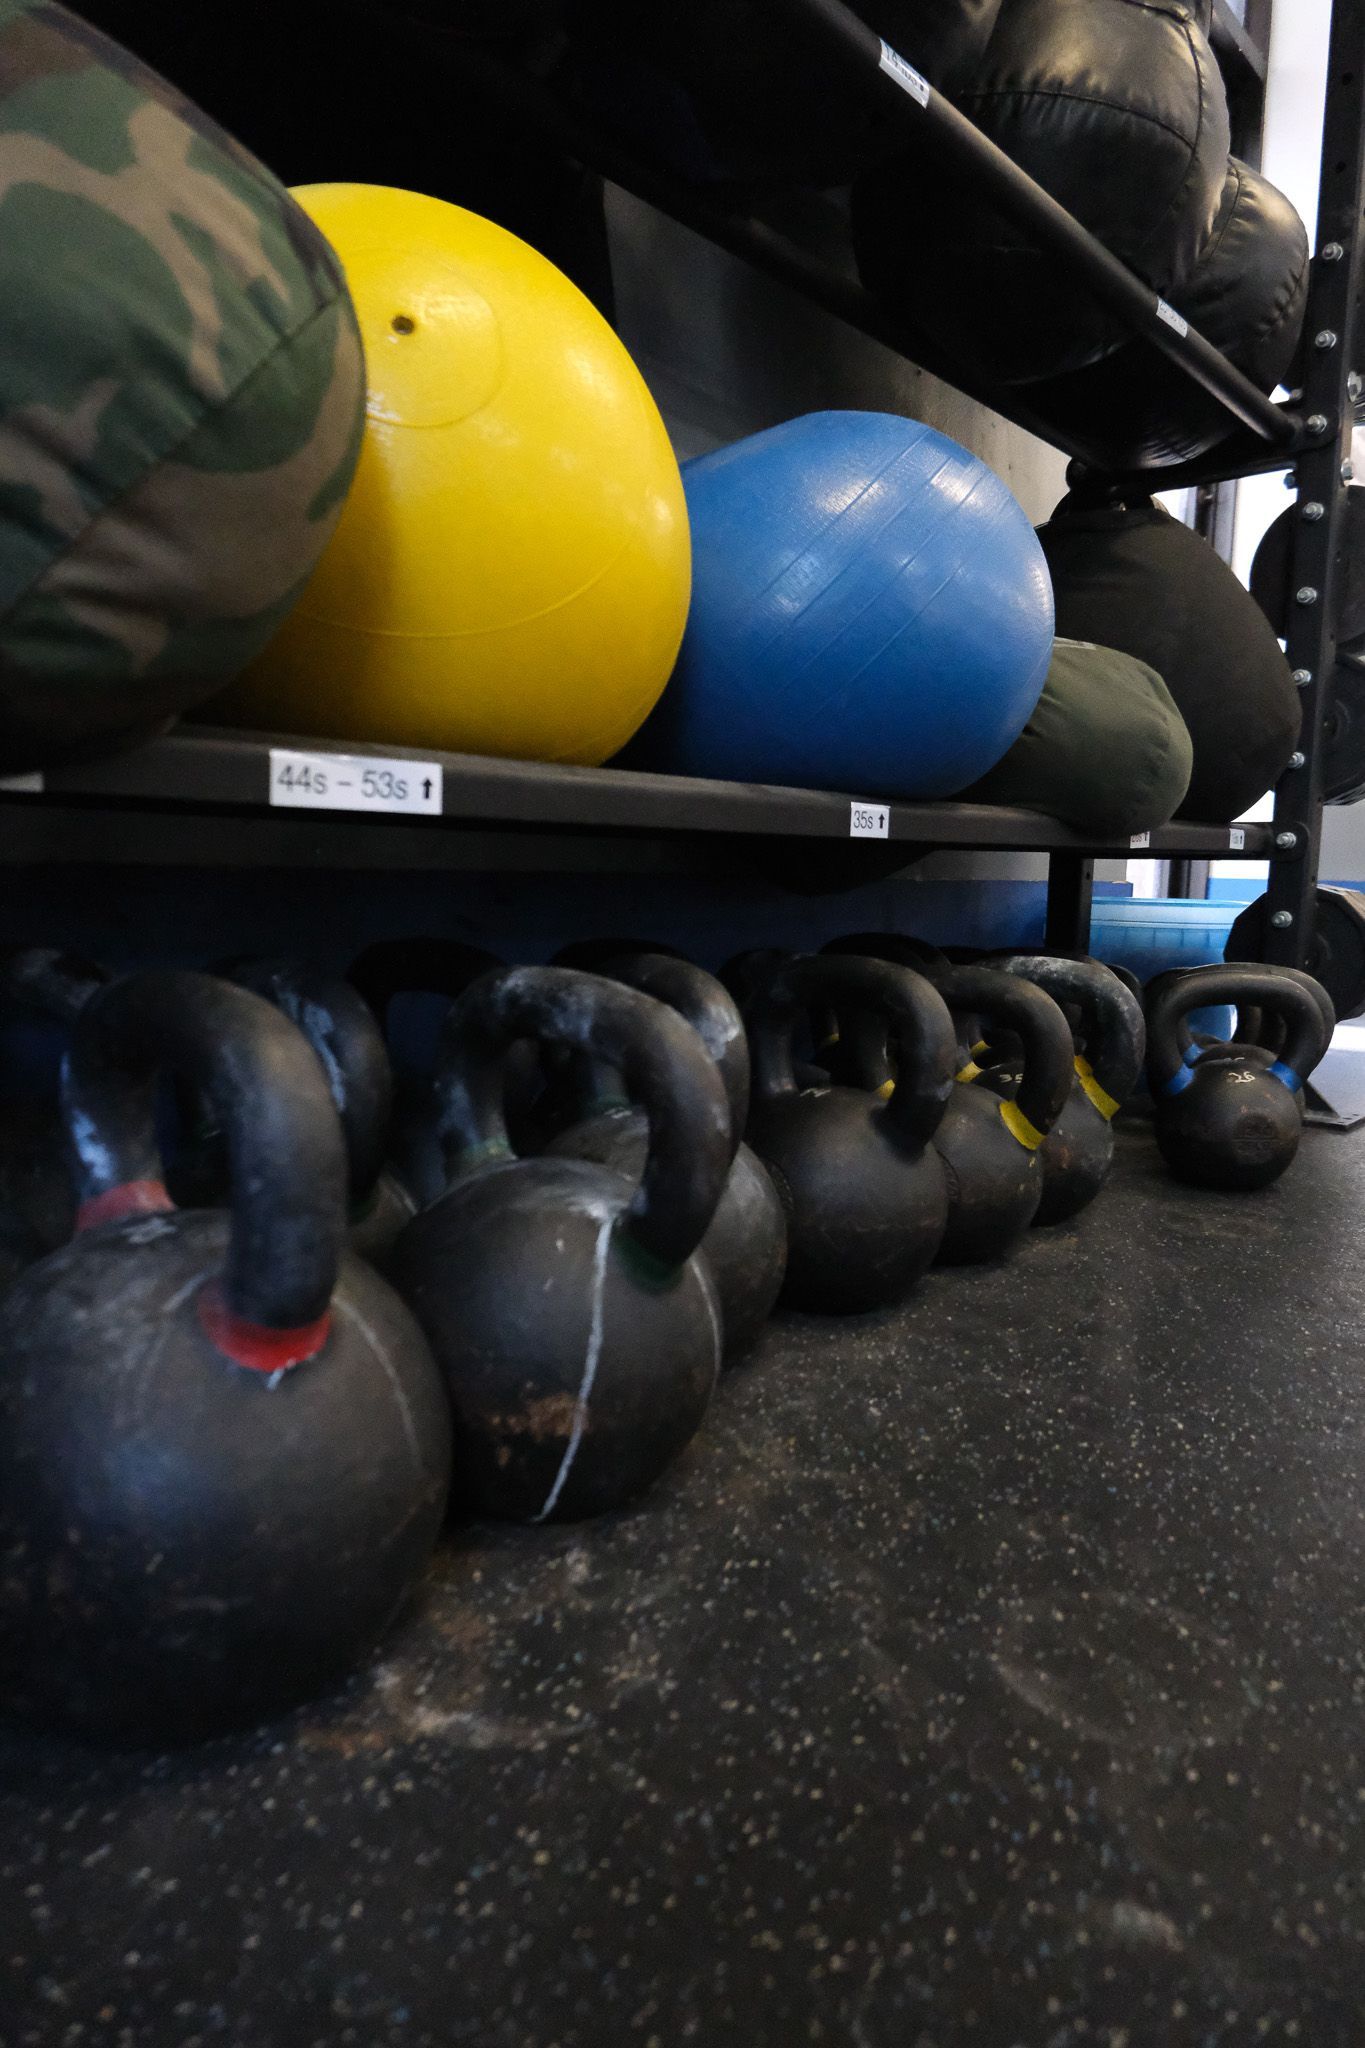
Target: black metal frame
[1332,332]
[164,795]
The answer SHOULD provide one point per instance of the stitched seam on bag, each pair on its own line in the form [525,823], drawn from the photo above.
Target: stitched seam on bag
[115,505]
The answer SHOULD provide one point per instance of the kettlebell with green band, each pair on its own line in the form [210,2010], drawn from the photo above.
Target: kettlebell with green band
[1079,1150]
[746,1242]
[864,1191]
[1227,1122]
[224,1446]
[579,1337]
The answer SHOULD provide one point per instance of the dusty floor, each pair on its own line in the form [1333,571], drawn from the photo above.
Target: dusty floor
[992,1672]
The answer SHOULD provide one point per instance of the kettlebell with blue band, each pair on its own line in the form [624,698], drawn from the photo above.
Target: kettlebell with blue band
[1230,1123]
[579,1338]
[865,1193]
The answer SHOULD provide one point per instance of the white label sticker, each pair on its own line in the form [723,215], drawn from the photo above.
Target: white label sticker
[354,782]
[869,821]
[1171,317]
[1141,839]
[1237,839]
[24,785]
[905,75]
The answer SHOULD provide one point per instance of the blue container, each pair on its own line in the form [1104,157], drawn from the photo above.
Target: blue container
[1148,936]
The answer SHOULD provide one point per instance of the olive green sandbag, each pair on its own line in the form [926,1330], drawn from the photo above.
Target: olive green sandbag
[181,396]
[1106,750]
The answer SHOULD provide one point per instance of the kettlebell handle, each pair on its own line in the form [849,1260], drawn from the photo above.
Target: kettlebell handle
[342,1029]
[264,1087]
[55,984]
[1111,1019]
[915,1014]
[1282,995]
[664,1069]
[1024,1008]
[702,1002]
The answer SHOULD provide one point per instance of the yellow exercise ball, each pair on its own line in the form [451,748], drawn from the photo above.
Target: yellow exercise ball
[512,569]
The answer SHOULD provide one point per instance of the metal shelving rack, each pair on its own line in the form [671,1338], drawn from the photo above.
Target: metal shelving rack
[204,797]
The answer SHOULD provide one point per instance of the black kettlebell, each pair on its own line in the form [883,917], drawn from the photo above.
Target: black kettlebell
[865,1193]
[35,1179]
[849,1050]
[1228,1122]
[745,1244]
[418,966]
[344,1033]
[579,1337]
[1079,1150]
[991,1147]
[224,1447]
[1259,1036]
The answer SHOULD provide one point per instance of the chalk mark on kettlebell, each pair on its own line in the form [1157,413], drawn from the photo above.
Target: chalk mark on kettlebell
[351,1313]
[590,1363]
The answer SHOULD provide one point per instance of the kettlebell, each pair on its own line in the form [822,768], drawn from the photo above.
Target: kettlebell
[224,1447]
[1230,1122]
[416,966]
[745,1244]
[1259,1036]
[341,1028]
[578,1335]
[854,1047]
[1079,1150]
[865,1193]
[35,1181]
[991,1147]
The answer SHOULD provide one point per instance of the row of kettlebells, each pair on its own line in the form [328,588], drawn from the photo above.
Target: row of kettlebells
[226,1443]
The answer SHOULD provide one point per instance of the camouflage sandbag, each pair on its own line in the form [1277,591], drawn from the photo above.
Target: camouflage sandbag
[1106,749]
[181,396]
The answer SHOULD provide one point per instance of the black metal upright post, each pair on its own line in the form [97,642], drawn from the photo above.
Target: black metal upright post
[1070,894]
[1331,340]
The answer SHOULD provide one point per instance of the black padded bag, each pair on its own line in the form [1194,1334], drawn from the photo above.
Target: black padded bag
[743,91]
[1117,108]
[1247,295]
[1132,577]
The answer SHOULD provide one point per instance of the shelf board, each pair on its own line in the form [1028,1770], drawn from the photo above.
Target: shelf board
[204,796]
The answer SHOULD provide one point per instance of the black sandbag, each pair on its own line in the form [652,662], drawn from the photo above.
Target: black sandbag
[1131,577]
[743,90]
[1247,295]
[1105,750]
[1117,108]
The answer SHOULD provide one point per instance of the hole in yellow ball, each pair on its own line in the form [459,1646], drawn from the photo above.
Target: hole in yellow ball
[403,323]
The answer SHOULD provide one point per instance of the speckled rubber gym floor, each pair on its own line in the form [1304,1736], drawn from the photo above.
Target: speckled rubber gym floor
[990,1672]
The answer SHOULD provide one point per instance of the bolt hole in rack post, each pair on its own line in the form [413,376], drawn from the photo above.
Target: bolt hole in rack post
[155,803]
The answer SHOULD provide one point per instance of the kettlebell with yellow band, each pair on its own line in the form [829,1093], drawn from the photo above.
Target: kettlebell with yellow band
[1109,1051]
[991,1148]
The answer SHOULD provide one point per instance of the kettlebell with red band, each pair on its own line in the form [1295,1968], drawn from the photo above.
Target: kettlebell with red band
[578,1336]
[344,1033]
[224,1447]
[1079,1150]
[1229,1122]
[746,1242]
[864,1191]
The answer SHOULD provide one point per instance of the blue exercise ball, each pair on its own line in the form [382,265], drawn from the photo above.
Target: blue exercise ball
[871,612]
